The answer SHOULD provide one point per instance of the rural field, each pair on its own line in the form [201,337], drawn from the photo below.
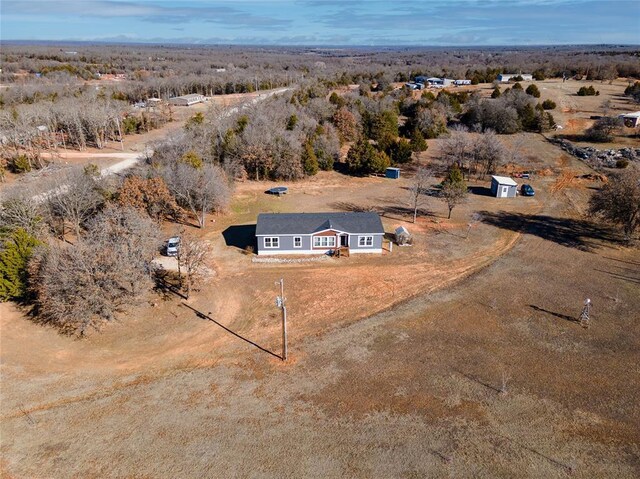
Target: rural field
[458,356]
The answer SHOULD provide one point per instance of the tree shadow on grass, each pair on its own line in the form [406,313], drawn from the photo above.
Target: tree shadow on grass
[240,236]
[351,207]
[201,315]
[580,234]
[395,212]
[622,276]
[480,191]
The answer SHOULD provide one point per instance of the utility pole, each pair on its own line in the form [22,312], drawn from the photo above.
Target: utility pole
[280,302]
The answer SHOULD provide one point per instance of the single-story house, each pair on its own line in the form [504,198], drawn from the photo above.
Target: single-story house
[631,120]
[462,82]
[505,77]
[187,100]
[434,81]
[503,187]
[318,233]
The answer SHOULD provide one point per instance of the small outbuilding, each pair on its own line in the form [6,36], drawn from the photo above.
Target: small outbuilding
[187,100]
[403,237]
[631,120]
[503,187]
[393,173]
[505,77]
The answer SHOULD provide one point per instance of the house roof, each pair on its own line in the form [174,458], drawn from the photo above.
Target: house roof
[309,223]
[505,180]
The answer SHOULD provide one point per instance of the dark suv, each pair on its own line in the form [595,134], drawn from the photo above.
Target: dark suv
[527,190]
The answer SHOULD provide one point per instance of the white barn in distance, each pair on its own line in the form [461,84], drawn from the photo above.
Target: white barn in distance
[505,77]
[187,100]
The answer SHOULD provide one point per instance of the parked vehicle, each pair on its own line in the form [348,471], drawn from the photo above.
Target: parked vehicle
[172,246]
[527,190]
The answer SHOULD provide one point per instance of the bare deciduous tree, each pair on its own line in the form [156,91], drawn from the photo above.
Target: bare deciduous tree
[200,190]
[22,211]
[488,152]
[79,286]
[619,201]
[75,198]
[192,260]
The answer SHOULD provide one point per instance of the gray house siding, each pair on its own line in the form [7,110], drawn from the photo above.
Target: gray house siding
[285,244]
[353,242]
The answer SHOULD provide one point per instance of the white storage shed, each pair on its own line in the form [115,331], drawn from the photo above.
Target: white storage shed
[503,187]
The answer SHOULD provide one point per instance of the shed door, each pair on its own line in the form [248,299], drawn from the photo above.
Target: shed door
[504,192]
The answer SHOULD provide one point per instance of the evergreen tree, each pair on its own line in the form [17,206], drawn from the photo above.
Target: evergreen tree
[533,91]
[418,143]
[15,253]
[309,159]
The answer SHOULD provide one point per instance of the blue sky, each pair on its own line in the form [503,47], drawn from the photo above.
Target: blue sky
[326,22]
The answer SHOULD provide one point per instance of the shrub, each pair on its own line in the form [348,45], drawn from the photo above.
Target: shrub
[603,129]
[191,158]
[622,163]
[517,86]
[131,124]
[400,152]
[20,164]
[496,92]
[533,91]
[538,75]
[337,100]
[588,91]
[364,158]
[633,91]
[292,122]
[15,253]
[549,105]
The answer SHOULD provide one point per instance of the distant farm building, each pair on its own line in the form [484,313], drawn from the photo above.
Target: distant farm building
[631,120]
[187,100]
[462,82]
[434,81]
[505,77]
[503,187]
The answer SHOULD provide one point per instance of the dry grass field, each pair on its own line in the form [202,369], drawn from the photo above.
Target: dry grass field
[457,357]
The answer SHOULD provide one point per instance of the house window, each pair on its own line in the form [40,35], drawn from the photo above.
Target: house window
[364,241]
[273,242]
[297,241]
[324,241]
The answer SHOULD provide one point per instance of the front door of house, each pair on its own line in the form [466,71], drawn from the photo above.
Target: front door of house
[344,240]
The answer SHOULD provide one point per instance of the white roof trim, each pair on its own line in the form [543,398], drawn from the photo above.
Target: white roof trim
[505,180]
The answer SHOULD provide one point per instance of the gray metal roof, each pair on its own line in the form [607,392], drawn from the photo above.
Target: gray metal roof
[309,223]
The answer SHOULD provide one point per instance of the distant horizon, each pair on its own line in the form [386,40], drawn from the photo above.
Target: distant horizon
[364,23]
[314,46]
